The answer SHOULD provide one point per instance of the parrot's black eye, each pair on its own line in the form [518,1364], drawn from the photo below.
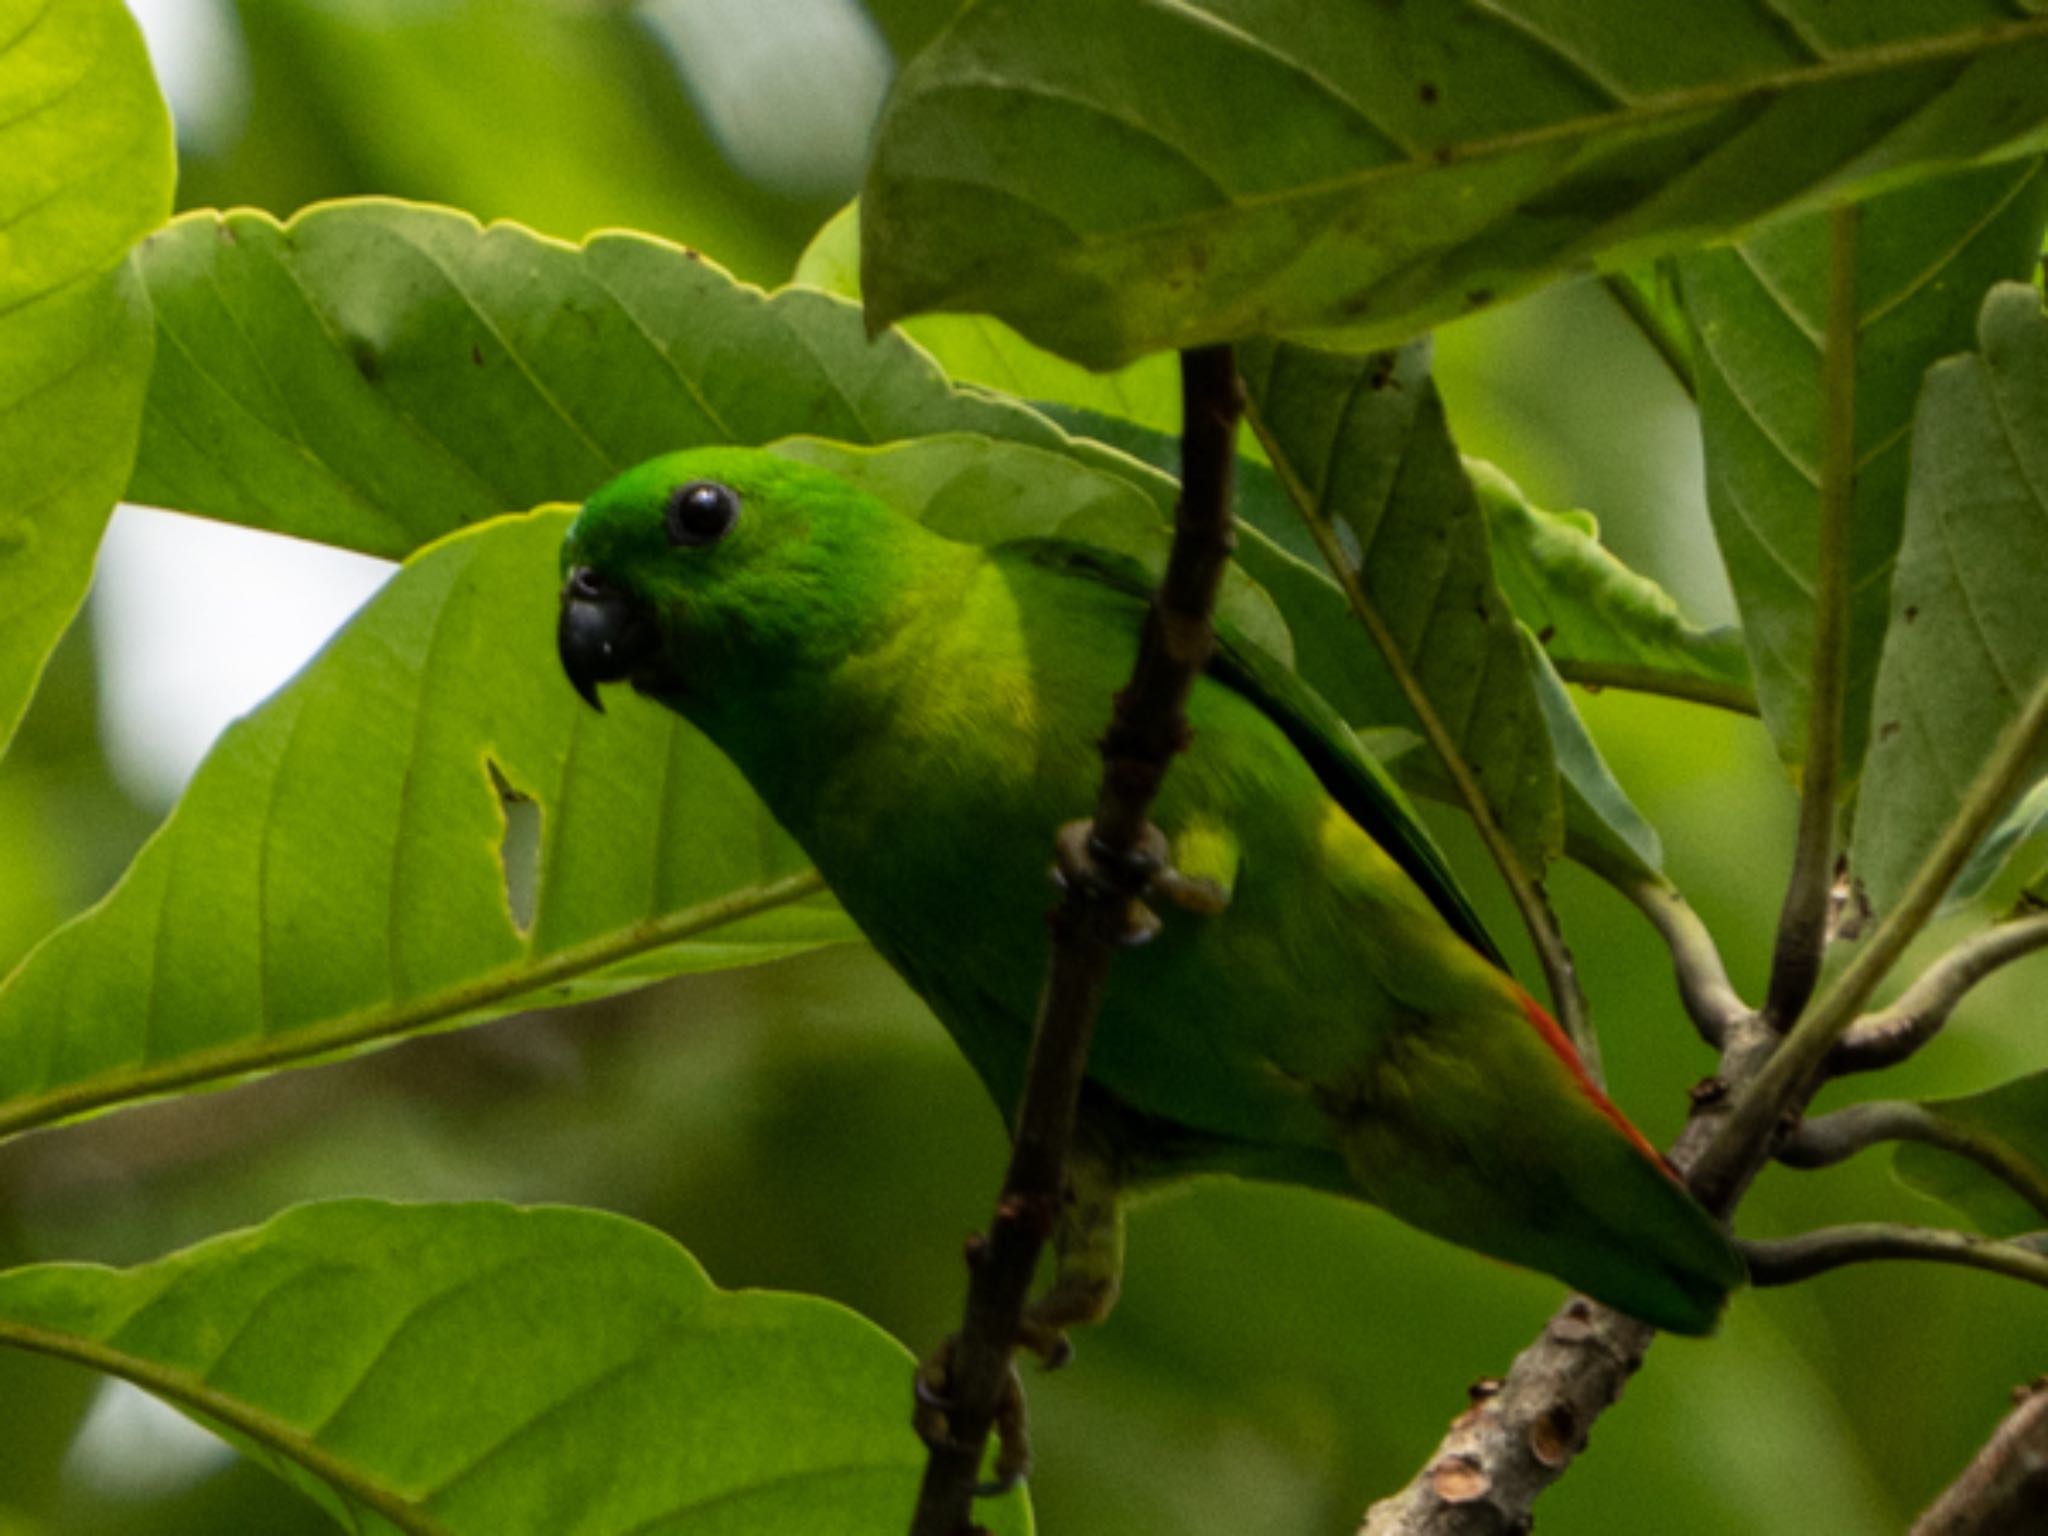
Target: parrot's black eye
[701,513]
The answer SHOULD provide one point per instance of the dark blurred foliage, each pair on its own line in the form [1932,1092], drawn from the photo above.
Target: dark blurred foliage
[1279,1357]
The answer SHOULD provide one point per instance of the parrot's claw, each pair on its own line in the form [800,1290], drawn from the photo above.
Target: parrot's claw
[932,1419]
[1147,871]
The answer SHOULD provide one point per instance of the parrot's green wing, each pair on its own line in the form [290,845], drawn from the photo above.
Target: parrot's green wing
[1353,778]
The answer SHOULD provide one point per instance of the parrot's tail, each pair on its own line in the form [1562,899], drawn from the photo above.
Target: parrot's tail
[1520,1155]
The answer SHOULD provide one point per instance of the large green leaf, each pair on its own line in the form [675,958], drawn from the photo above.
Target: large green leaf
[486,1370]
[1361,445]
[2009,1122]
[358,859]
[1924,258]
[85,171]
[1968,639]
[337,871]
[1255,168]
[974,349]
[375,374]
[1601,624]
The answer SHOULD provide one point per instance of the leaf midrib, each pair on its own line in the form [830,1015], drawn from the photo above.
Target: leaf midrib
[181,1388]
[1644,110]
[362,1025]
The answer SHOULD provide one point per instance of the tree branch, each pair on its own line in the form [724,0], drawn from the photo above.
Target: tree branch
[1891,1035]
[1803,920]
[1787,1260]
[1792,1075]
[2004,1491]
[1147,728]
[1517,1439]
[1830,1139]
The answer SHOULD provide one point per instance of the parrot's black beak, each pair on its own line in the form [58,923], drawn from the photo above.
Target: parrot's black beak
[604,637]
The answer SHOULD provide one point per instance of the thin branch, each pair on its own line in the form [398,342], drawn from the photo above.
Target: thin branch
[1803,921]
[1710,998]
[1674,352]
[1560,971]
[1829,1139]
[1790,1077]
[1147,728]
[1785,1261]
[2004,1491]
[1891,1035]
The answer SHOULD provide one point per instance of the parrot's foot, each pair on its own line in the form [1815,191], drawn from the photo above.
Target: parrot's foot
[1149,870]
[932,1417]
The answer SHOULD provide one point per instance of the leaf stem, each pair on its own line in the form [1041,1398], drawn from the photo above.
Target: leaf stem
[1788,1260]
[1892,1034]
[1832,1138]
[1736,698]
[1803,921]
[1710,998]
[1148,727]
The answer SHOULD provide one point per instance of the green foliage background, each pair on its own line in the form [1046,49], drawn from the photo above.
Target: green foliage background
[1278,1359]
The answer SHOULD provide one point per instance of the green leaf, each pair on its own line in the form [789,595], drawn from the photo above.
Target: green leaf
[375,375]
[486,1370]
[1924,258]
[1600,623]
[1968,639]
[335,874]
[1596,807]
[1409,162]
[2011,1121]
[974,349]
[2013,854]
[1361,445]
[359,859]
[85,171]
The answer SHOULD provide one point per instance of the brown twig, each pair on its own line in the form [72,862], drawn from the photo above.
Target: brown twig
[2004,1491]
[1147,728]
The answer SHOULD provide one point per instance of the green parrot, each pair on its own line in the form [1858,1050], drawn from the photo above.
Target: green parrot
[1320,1005]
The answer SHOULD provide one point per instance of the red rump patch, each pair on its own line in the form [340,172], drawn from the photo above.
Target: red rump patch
[1560,1042]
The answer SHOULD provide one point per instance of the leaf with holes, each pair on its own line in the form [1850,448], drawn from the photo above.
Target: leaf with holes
[2010,1122]
[1924,258]
[335,873]
[375,374]
[427,829]
[1968,639]
[1361,446]
[486,1370]
[85,171]
[1410,161]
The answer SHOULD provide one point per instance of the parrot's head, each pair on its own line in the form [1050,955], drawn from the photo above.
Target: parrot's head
[715,568]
